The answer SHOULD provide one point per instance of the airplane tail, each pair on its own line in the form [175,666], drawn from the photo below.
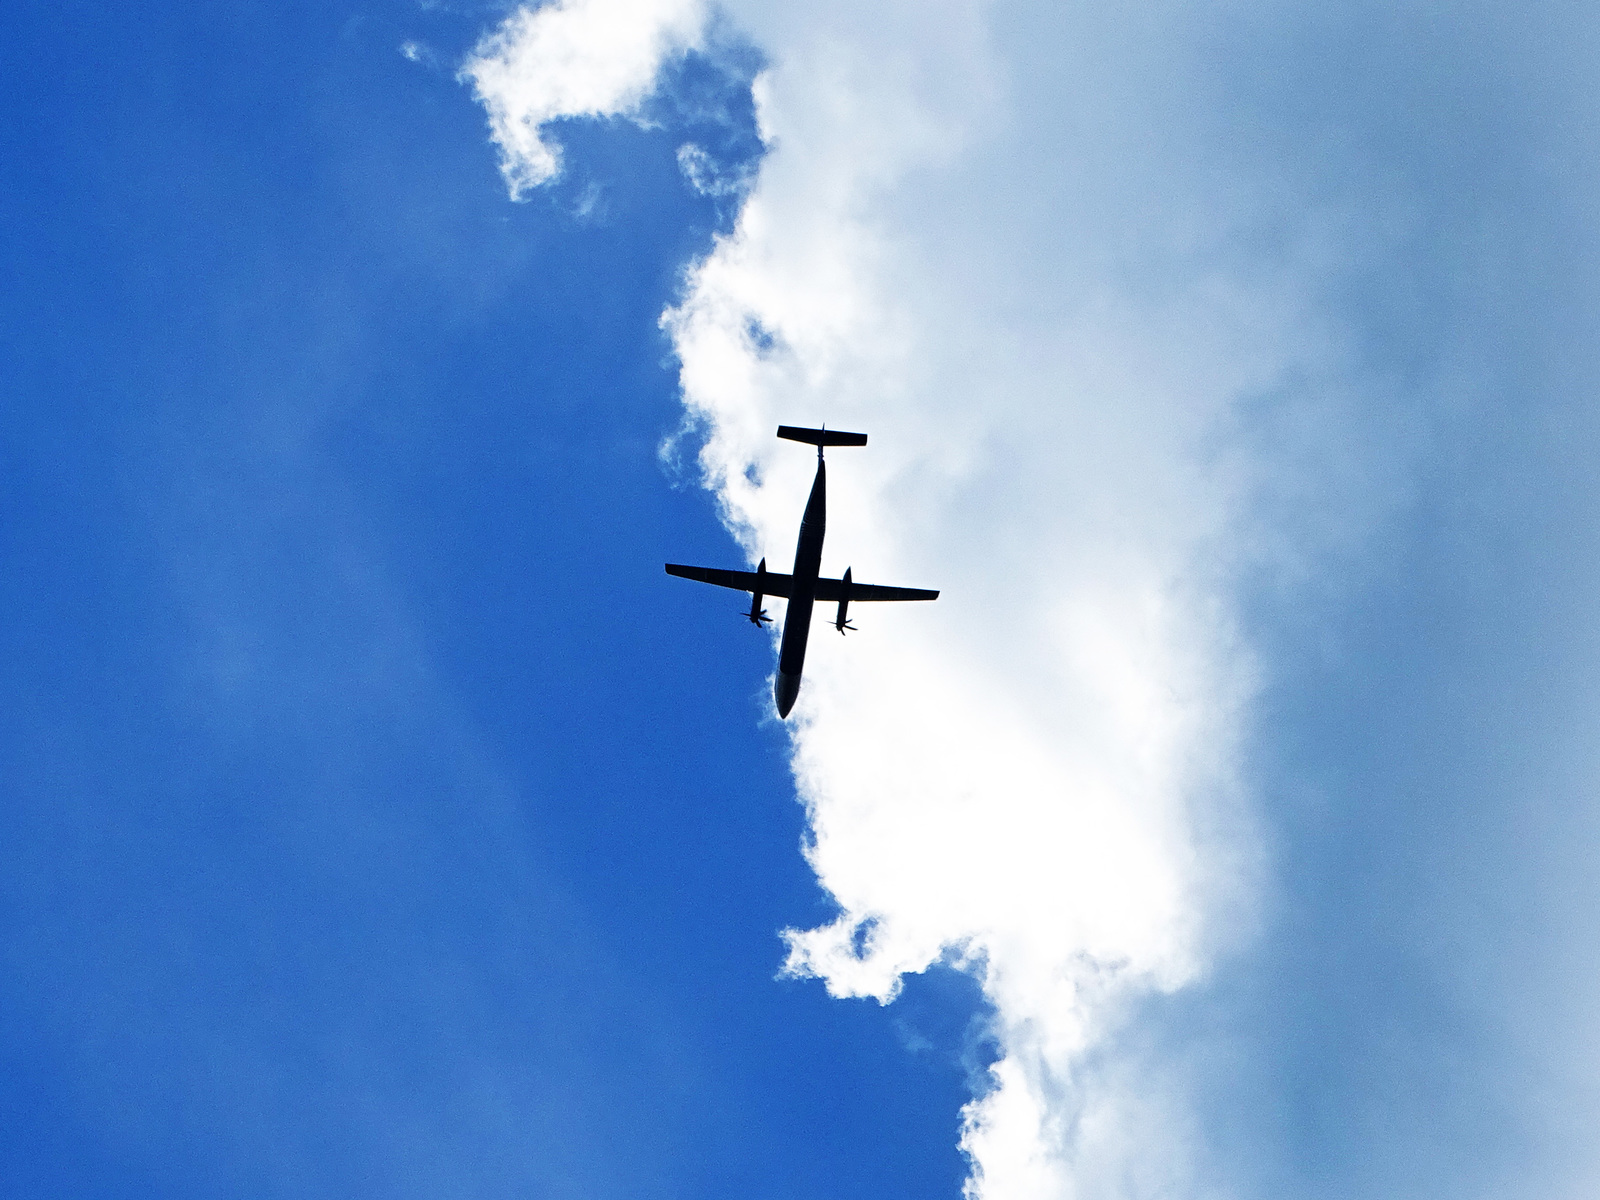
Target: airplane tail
[821,437]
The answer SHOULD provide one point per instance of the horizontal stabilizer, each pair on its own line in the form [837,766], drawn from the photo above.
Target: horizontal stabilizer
[821,437]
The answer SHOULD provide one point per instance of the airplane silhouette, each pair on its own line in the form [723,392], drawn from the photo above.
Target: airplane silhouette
[803,588]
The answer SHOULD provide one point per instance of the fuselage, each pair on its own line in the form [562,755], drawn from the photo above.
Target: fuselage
[802,592]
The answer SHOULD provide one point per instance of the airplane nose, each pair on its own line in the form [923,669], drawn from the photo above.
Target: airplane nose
[784,691]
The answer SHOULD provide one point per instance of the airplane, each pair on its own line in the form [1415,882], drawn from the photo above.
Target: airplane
[804,587]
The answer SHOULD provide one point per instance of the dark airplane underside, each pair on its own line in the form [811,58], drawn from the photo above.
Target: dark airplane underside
[785,690]
[804,586]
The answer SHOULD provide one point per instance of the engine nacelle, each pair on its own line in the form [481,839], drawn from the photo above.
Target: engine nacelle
[758,615]
[840,622]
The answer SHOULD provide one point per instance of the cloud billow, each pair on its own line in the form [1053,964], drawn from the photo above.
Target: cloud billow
[573,58]
[1061,273]
[1028,779]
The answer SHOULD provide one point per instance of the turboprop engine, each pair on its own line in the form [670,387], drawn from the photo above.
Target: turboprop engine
[839,621]
[757,615]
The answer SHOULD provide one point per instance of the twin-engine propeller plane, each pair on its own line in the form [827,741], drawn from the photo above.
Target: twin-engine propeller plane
[804,587]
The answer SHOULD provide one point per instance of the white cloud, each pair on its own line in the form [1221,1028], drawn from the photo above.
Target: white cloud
[709,177]
[572,58]
[975,240]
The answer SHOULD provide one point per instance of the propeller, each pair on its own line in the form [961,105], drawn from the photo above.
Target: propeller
[842,626]
[760,618]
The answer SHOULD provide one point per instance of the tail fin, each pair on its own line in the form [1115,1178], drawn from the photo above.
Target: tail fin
[821,437]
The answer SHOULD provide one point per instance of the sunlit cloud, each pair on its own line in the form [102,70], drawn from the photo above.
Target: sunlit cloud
[572,58]
[1033,779]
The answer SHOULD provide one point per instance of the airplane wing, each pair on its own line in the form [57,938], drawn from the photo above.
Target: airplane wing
[772,583]
[832,591]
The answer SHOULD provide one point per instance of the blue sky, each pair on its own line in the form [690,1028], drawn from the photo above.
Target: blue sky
[377,818]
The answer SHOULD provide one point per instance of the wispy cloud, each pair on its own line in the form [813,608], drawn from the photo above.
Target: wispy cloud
[708,176]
